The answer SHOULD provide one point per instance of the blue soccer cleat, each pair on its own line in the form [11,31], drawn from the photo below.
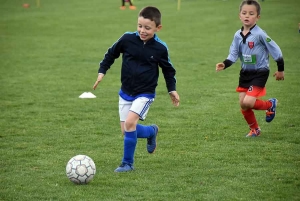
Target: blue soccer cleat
[270,113]
[124,167]
[254,132]
[151,141]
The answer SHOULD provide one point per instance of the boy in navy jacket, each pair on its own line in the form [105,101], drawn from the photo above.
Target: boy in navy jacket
[142,55]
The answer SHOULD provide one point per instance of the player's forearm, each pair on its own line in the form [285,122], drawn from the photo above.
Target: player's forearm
[280,64]
[171,84]
[227,63]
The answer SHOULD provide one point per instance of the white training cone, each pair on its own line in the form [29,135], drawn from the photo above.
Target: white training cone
[87,95]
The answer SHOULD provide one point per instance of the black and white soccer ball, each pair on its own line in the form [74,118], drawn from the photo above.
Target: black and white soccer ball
[81,169]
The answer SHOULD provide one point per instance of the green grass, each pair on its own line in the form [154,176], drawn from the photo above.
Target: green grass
[50,55]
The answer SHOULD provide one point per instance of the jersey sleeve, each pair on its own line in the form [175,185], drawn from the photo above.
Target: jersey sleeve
[272,47]
[111,55]
[234,49]
[168,71]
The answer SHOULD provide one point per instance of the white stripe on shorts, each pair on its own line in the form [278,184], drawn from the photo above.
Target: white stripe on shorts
[140,106]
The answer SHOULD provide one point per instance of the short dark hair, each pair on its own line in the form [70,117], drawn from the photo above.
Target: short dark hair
[251,2]
[151,13]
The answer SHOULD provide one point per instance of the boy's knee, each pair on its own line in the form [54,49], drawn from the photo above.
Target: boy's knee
[130,125]
[246,105]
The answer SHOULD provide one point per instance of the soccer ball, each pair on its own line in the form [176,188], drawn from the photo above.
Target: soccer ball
[80,169]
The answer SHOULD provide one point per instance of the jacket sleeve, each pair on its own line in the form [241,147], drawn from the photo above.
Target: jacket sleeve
[111,55]
[234,49]
[272,46]
[168,71]
[273,49]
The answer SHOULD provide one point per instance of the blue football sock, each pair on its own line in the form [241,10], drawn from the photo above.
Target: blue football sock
[130,141]
[144,131]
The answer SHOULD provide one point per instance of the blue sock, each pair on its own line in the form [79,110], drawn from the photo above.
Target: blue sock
[130,141]
[144,131]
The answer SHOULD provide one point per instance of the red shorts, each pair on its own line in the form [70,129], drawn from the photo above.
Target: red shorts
[253,91]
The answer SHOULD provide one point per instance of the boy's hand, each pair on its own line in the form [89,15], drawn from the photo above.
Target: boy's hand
[99,79]
[220,66]
[175,98]
[279,75]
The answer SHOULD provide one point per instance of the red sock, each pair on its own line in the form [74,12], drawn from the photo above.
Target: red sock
[250,118]
[262,104]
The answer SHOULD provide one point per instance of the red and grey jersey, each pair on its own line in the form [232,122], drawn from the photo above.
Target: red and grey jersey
[254,49]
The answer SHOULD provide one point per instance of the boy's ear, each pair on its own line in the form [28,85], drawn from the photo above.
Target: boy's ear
[159,27]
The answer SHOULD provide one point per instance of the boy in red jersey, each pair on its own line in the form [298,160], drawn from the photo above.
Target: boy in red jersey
[253,46]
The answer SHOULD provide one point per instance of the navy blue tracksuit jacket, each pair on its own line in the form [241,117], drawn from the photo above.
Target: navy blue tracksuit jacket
[139,74]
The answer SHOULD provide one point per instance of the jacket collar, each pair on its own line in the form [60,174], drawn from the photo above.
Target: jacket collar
[242,29]
[151,40]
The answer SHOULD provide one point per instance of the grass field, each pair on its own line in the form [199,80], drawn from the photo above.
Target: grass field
[50,55]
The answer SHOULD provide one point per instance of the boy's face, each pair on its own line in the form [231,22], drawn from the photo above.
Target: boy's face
[147,28]
[248,15]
